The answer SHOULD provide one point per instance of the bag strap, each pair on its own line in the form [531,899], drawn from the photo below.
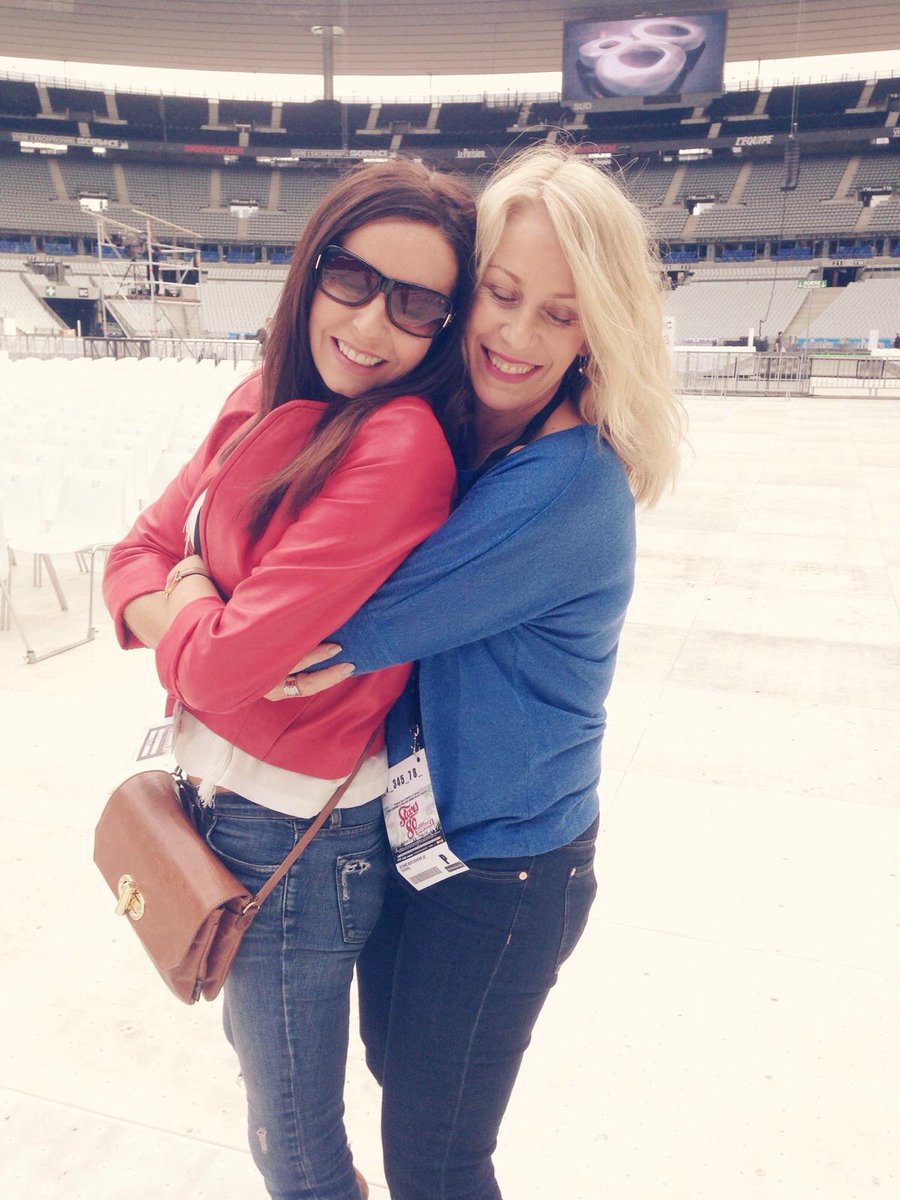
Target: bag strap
[318,821]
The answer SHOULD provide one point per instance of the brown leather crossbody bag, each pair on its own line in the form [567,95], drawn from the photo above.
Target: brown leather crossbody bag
[186,907]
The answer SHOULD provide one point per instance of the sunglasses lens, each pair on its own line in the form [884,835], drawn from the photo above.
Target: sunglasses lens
[418,310]
[346,278]
[350,280]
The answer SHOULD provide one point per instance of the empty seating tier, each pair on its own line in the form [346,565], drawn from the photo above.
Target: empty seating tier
[245,112]
[712,312]
[861,307]
[314,124]
[77,100]
[19,97]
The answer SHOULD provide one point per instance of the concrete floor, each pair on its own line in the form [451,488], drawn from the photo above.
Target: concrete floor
[728,1027]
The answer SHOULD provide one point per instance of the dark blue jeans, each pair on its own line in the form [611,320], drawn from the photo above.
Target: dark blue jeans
[451,983]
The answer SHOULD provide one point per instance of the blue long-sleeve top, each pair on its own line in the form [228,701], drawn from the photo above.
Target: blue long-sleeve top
[513,609]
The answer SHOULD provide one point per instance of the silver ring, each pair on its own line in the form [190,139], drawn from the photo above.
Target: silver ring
[290,687]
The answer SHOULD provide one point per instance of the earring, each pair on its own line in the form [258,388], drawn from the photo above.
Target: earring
[582,361]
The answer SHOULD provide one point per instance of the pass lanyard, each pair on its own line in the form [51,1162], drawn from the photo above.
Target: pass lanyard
[533,427]
[418,845]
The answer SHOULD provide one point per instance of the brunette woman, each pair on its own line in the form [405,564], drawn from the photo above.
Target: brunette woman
[320,475]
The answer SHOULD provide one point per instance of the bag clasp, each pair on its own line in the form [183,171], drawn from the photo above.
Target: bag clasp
[130,899]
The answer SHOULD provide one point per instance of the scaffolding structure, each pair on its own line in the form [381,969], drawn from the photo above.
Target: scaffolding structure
[162,270]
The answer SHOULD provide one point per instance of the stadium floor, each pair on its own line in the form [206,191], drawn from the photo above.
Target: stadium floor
[727,1028]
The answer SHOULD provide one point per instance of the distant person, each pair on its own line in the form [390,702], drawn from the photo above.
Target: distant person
[262,336]
[897,342]
[779,342]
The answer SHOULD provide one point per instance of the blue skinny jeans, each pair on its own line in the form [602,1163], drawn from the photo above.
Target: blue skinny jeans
[286,1008]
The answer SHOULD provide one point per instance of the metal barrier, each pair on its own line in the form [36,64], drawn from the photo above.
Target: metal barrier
[710,372]
[231,350]
[35,345]
[40,345]
[726,373]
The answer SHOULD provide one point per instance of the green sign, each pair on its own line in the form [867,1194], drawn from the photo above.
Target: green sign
[811,283]
[49,290]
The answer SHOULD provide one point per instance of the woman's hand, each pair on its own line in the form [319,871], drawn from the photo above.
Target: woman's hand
[300,684]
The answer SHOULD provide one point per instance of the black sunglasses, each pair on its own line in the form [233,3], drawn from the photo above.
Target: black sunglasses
[352,281]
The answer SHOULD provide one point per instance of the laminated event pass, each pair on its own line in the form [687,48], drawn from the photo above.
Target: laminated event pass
[414,829]
[157,740]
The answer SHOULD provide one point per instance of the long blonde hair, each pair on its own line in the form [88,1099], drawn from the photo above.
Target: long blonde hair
[626,386]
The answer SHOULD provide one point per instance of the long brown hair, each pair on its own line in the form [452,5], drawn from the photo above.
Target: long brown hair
[401,189]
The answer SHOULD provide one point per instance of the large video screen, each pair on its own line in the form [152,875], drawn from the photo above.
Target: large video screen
[642,57]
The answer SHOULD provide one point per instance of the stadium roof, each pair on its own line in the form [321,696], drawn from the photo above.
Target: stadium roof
[407,37]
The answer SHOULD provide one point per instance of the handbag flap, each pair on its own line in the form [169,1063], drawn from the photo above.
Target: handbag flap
[144,833]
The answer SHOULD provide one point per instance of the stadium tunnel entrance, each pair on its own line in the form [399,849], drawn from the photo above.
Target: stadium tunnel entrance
[78,314]
[840,276]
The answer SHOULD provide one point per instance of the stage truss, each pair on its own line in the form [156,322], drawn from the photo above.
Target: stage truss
[158,292]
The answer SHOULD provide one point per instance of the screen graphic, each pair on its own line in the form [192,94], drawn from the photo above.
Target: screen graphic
[642,57]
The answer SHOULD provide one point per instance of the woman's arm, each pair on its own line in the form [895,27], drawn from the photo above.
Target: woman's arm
[539,529]
[536,531]
[391,491]
[148,617]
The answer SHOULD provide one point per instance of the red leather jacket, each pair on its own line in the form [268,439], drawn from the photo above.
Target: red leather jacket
[289,590]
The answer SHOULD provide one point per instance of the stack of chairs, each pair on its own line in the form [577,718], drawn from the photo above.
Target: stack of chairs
[84,445]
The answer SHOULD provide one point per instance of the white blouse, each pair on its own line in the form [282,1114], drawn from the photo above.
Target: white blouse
[217,763]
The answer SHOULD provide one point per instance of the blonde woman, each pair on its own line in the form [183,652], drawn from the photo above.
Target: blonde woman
[513,609]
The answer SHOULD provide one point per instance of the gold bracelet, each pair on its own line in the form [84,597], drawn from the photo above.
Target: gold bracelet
[177,578]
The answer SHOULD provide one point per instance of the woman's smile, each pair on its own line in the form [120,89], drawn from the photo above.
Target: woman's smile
[351,357]
[499,366]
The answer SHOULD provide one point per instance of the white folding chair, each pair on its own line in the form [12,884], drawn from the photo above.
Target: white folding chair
[136,442]
[26,495]
[74,444]
[90,520]
[22,488]
[167,467]
[124,459]
[51,459]
[7,611]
